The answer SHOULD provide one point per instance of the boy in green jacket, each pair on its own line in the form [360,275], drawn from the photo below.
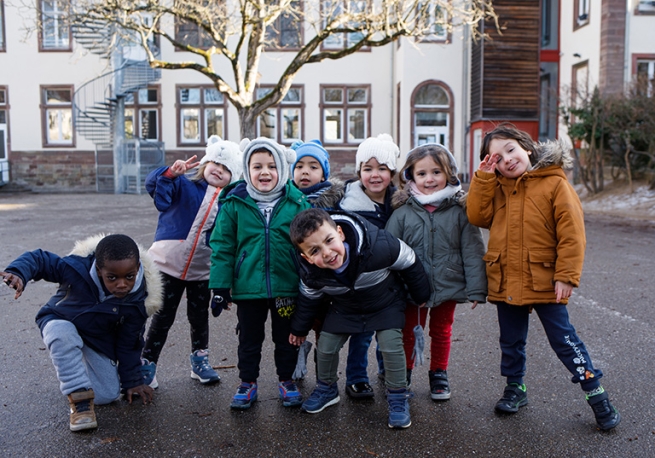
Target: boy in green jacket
[252,264]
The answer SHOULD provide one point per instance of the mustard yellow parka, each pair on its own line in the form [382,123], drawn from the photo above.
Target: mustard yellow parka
[536,229]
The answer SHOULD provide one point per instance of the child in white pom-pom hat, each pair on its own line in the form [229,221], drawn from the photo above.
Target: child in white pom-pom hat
[252,264]
[370,197]
[188,205]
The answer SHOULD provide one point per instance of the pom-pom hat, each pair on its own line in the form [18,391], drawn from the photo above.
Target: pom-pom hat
[382,148]
[313,148]
[226,153]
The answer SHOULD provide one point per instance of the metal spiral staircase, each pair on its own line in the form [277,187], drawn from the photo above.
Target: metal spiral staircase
[121,165]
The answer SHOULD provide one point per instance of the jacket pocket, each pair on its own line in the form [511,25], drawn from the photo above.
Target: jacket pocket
[494,270]
[542,269]
[238,266]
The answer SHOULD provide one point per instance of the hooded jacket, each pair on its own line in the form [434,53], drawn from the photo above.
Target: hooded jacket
[536,229]
[374,298]
[355,200]
[325,195]
[114,326]
[449,247]
[253,258]
[187,212]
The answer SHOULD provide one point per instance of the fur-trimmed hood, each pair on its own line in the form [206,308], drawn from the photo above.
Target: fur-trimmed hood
[553,152]
[329,199]
[401,197]
[154,282]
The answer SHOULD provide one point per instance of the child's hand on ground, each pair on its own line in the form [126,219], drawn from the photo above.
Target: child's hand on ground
[563,290]
[13,281]
[296,340]
[181,167]
[144,391]
[488,164]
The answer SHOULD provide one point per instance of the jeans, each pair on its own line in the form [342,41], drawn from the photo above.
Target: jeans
[357,362]
[513,322]
[79,366]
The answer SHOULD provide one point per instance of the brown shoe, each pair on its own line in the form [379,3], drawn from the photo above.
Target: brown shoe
[82,414]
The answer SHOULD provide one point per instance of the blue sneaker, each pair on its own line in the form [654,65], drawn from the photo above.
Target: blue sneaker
[323,396]
[289,394]
[201,369]
[246,394]
[399,408]
[149,372]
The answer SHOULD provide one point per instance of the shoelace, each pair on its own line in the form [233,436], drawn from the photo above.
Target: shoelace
[83,406]
[243,389]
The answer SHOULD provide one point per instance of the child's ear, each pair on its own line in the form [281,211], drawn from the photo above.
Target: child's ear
[341,234]
[302,255]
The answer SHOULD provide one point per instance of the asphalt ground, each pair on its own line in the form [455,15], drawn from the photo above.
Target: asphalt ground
[612,312]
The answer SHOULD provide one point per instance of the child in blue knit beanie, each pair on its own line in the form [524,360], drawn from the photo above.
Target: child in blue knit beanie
[311,172]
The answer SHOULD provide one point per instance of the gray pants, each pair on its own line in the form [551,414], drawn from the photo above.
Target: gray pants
[390,342]
[79,366]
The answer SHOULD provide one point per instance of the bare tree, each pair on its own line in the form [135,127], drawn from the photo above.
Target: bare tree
[240,32]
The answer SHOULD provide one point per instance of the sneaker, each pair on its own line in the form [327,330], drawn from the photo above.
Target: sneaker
[201,369]
[360,390]
[149,373]
[246,394]
[399,408]
[439,387]
[607,417]
[323,396]
[289,394]
[514,396]
[82,413]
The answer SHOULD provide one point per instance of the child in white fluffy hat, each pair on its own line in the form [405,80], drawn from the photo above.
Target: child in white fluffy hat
[188,205]
[370,197]
[252,264]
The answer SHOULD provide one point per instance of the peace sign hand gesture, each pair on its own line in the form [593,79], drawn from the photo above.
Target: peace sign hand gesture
[181,167]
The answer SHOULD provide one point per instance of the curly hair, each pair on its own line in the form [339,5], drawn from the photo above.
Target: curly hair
[116,247]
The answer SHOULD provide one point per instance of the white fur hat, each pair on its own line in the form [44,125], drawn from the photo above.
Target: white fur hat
[382,148]
[226,153]
[283,156]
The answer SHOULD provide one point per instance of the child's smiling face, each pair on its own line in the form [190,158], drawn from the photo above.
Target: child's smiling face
[428,176]
[217,175]
[263,171]
[375,178]
[307,172]
[119,277]
[324,247]
[512,161]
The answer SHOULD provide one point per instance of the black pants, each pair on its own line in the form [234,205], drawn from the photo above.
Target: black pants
[197,311]
[252,315]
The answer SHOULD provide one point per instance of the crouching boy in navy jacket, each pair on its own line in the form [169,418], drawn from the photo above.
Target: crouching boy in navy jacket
[93,326]
[351,261]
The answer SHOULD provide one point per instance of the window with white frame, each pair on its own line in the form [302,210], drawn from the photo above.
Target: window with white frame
[54,32]
[3,124]
[580,84]
[436,20]
[580,13]
[346,112]
[286,32]
[282,123]
[201,114]
[57,115]
[646,76]
[142,114]
[431,114]
[645,7]
[2,26]
[333,9]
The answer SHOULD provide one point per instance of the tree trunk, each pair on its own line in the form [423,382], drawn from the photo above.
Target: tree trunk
[627,162]
[247,123]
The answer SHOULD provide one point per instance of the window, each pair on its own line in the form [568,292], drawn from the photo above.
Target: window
[54,33]
[284,122]
[334,8]
[432,112]
[4,106]
[580,84]
[580,13]
[142,114]
[645,76]
[57,115]
[285,34]
[645,7]
[192,34]
[346,112]
[436,20]
[200,113]
[2,26]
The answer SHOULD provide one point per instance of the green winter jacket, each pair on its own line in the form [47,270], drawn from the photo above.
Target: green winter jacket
[450,248]
[251,259]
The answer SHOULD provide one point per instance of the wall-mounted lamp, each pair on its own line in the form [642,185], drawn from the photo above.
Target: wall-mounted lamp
[575,54]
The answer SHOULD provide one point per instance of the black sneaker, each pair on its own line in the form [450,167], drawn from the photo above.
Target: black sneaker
[439,387]
[359,390]
[514,396]
[607,417]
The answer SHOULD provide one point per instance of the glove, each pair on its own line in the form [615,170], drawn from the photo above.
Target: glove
[301,365]
[220,300]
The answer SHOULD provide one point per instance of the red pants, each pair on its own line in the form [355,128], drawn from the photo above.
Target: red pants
[441,329]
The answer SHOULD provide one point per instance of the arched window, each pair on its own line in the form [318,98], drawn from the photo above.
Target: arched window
[432,113]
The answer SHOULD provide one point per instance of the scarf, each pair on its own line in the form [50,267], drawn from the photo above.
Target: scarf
[436,197]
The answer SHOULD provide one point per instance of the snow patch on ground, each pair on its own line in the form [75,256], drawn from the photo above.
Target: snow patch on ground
[620,200]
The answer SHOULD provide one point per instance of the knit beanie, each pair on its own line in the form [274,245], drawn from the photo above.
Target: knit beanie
[382,148]
[314,149]
[283,157]
[225,153]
